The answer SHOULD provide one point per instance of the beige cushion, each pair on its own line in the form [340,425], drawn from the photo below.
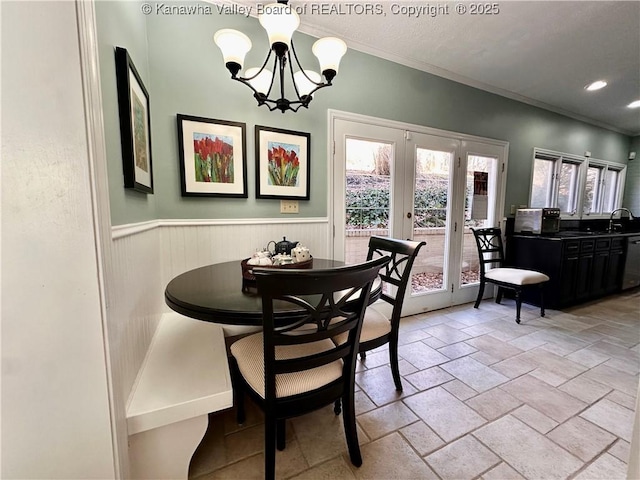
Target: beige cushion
[249,353]
[375,325]
[516,276]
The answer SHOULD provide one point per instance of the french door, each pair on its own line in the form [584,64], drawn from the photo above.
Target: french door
[420,185]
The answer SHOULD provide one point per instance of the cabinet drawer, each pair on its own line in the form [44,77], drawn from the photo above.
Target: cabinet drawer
[617,243]
[572,246]
[587,246]
[603,244]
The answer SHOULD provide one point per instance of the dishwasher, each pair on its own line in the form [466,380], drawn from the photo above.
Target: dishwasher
[631,276]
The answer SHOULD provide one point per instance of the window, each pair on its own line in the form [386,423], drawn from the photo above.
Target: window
[556,181]
[603,188]
[575,185]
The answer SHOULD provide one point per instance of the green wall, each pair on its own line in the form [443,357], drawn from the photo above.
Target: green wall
[185,74]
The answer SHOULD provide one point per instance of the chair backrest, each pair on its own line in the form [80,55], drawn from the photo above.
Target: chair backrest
[327,311]
[397,273]
[490,249]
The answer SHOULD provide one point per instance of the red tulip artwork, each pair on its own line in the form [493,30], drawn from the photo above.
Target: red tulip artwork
[283,164]
[213,157]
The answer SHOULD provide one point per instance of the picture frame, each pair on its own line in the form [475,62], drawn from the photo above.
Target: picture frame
[213,160]
[135,125]
[282,163]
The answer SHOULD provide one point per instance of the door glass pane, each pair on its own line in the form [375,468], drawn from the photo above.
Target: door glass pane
[478,211]
[542,183]
[430,219]
[368,195]
[567,187]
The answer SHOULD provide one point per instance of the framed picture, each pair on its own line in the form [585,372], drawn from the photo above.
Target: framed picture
[282,163]
[135,122]
[212,157]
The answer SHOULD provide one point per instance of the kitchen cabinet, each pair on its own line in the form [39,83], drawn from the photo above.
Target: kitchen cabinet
[579,268]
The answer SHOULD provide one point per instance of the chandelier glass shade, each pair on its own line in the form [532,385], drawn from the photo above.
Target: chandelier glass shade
[280,21]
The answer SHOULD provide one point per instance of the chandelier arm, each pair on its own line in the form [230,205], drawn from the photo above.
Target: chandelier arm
[295,87]
[264,64]
[295,56]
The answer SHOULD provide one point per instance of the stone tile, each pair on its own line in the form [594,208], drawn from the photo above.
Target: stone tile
[363,403]
[374,359]
[477,459]
[484,358]
[502,472]
[447,334]
[392,457]
[478,330]
[563,341]
[527,342]
[434,342]
[457,350]
[585,389]
[444,413]
[320,435]
[582,438]
[606,467]
[612,417]
[553,363]
[412,336]
[406,368]
[422,438]
[330,470]
[514,367]
[523,448]
[626,366]
[384,420]
[614,378]
[493,404]
[621,450]
[628,337]
[547,400]
[587,357]
[494,347]
[612,350]
[429,378]
[459,390]
[475,374]
[379,387]
[623,399]
[548,377]
[421,355]
[535,419]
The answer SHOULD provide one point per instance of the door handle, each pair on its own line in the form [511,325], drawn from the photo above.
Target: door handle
[409,214]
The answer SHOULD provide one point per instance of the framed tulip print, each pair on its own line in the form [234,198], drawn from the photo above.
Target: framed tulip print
[282,163]
[135,121]
[212,157]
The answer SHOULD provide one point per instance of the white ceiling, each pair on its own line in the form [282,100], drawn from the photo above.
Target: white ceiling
[541,52]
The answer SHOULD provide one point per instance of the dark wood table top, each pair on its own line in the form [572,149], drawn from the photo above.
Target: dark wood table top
[214,293]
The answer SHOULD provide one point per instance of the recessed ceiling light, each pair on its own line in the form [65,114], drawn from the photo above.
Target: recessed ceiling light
[635,104]
[596,85]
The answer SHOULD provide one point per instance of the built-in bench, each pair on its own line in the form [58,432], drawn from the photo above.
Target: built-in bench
[184,377]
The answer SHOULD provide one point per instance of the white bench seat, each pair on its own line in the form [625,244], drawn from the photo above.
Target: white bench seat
[184,377]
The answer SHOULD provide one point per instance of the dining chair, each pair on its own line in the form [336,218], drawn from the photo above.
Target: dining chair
[379,329]
[491,251]
[293,366]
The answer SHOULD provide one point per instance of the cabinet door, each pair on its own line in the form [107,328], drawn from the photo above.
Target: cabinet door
[568,280]
[613,280]
[583,281]
[599,274]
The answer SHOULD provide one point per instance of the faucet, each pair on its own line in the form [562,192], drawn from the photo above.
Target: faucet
[614,212]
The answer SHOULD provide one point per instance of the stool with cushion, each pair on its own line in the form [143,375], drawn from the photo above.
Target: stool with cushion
[490,251]
[293,366]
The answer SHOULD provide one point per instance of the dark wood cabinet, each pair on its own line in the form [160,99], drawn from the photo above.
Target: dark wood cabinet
[579,269]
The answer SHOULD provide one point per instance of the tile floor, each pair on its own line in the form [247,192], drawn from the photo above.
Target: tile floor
[484,398]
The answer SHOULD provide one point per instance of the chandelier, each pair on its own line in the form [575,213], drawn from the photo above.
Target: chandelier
[280,21]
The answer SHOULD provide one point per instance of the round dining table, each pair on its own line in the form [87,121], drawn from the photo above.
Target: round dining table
[214,293]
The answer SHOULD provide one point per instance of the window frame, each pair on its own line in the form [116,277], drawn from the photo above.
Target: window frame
[578,196]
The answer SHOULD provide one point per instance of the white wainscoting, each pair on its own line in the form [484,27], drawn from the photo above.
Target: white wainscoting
[146,256]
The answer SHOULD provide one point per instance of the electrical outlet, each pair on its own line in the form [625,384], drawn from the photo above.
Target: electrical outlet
[288,206]
[513,209]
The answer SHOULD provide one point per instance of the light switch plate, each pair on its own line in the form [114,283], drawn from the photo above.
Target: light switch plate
[288,206]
